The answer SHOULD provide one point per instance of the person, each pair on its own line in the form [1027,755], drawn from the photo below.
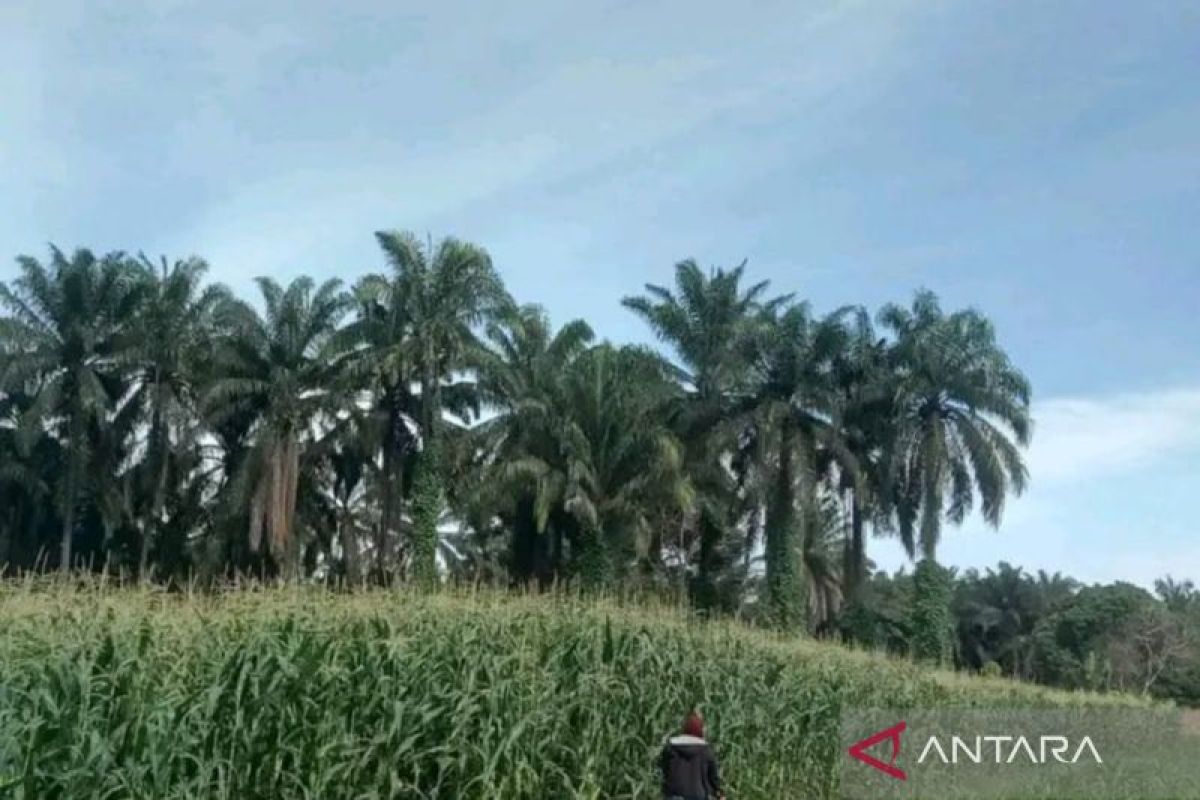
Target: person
[689,767]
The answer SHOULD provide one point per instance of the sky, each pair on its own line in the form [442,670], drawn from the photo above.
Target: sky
[1037,161]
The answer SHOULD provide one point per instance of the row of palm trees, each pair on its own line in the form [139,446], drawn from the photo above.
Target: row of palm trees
[422,423]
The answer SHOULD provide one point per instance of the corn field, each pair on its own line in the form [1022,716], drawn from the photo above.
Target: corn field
[279,693]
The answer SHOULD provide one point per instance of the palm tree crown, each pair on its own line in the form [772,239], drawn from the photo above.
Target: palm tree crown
[281,367]
[962,412]
[64,340]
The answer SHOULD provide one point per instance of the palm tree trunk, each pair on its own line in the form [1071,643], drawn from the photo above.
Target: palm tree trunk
[706,573]
[933,455]
[545,562]
[70,491]
[854,567]
[931,519]
[349,543]
[160,492]
[593,558]
[817,583]
[554,566]
[6,529]
[291,486]
[393,484]
[160,524]
[427,502]
[427,505]
[932,624]
[523,555]
[783,598]
[68,528]
[387,513]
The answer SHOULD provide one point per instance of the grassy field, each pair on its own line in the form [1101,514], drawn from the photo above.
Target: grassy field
[304,694]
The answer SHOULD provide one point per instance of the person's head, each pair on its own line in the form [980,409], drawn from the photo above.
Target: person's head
[693,725]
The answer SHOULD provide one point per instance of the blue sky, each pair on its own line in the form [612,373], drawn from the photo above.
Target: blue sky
[1040,161]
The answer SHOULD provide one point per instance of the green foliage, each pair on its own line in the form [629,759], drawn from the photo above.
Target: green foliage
[593,561]
[152,425]
[278,694]
[1180,678]
[961,415]
[168,428]
[791,406]
[1045,628]
[1068,643]
[523,472]
[279,367]
[997,612]
[932,626]
[708,321]
[65,341]
[1181,681]
[427,510]
[783,581]
[880,619]
[588,451]
[426,315]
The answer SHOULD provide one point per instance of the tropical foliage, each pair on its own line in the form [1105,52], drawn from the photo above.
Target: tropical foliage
[323,432]
[1040,627]
[421,426]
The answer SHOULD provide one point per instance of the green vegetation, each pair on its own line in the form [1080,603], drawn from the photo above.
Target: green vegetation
[422,427]
[306,693]
[181,430]
[931,625]
[1043,628]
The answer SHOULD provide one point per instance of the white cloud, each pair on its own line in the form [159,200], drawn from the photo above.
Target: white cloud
[1080,439]
[1100,506]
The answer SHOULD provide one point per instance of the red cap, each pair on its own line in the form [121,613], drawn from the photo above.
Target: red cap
[693,725]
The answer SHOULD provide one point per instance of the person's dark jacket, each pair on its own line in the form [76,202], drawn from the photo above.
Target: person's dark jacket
[689,769]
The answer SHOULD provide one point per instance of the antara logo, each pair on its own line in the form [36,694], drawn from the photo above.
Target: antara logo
[859,750]
[974,749]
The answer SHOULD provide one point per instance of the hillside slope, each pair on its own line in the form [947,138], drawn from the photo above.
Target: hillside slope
[295,694]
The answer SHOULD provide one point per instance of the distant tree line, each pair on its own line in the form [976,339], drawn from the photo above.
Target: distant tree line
[421,425]
[1051,629]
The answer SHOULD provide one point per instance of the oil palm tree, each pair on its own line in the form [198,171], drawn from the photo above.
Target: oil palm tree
[607,464]
[793,431]
[624,464]
[706,320]
[962,415]
[346,456]
[64,336]
[1178,596]
[998,611]
[820,553]
[439,295]
[519,377]
[174,337]
[26,474]
[382,363]
[281,368]
[864,394]
[995,613]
